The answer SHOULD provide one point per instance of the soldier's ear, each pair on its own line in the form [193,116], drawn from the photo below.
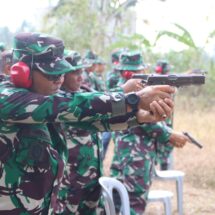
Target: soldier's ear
[20,75]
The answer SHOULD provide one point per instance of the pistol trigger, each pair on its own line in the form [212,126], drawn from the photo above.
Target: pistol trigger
[144,81]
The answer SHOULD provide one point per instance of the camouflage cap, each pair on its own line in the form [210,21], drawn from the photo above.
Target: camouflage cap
[116,54]
[41,51]
[90,57]
[131,60]
[75,59]
[162,67]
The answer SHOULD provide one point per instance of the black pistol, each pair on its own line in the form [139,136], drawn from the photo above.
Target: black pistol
[193,140]
[176,80]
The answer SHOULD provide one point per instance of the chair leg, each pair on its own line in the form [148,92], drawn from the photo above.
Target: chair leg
[180,195]
[167,206]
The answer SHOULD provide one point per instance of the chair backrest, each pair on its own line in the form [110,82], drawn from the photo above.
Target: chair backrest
[108,185]
[168,174]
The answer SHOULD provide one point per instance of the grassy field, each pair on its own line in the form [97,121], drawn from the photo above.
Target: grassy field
[198,164]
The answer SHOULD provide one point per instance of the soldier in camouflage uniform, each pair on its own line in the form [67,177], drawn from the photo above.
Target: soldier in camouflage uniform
[137,148]
[113,76]
[99,74]
[88,73]
[80,190]
[33,145]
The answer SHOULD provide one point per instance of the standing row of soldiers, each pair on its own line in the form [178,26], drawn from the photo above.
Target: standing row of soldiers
[50,158]
[138,148]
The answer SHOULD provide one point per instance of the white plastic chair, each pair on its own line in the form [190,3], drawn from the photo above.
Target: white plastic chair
[177,176]
[109,184]
[163,196]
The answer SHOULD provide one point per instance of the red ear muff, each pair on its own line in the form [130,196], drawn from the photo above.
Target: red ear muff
[20,75]
[158,69]
[127,74]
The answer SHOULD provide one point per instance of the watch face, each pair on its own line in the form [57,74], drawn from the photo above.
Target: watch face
[133,99]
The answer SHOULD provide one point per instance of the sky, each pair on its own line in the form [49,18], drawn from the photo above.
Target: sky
[13,12]
[197,16]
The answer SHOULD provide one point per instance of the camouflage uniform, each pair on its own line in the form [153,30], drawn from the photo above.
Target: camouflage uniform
[95,81]
[33,145]
[99,79]
[89,78]
[80,191]
[136,149]
[112,79]
[99,82]
[114,75]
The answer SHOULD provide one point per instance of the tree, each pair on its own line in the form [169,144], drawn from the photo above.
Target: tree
[89,24]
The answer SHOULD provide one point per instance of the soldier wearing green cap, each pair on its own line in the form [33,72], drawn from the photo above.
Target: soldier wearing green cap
[136,148]
[33,142]
[91,77]
[162,67]
[84,169]
[113,75]
[88,74]
[99,74]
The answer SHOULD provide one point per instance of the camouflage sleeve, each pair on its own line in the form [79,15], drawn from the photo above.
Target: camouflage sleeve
[112,79]
[163,149]
[161,133]
[119,123]
[117,89]
[157,131]
[20,105]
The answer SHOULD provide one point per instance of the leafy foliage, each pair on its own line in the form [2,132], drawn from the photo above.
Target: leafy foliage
[183,37]
[86,24]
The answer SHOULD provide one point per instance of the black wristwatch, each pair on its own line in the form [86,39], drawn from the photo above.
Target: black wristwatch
[132,100]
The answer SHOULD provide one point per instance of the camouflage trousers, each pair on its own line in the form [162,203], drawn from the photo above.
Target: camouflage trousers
[163,153]
[133,165]
[80,191]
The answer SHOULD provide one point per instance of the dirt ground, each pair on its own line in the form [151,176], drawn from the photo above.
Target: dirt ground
[197,200]
[198,164]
